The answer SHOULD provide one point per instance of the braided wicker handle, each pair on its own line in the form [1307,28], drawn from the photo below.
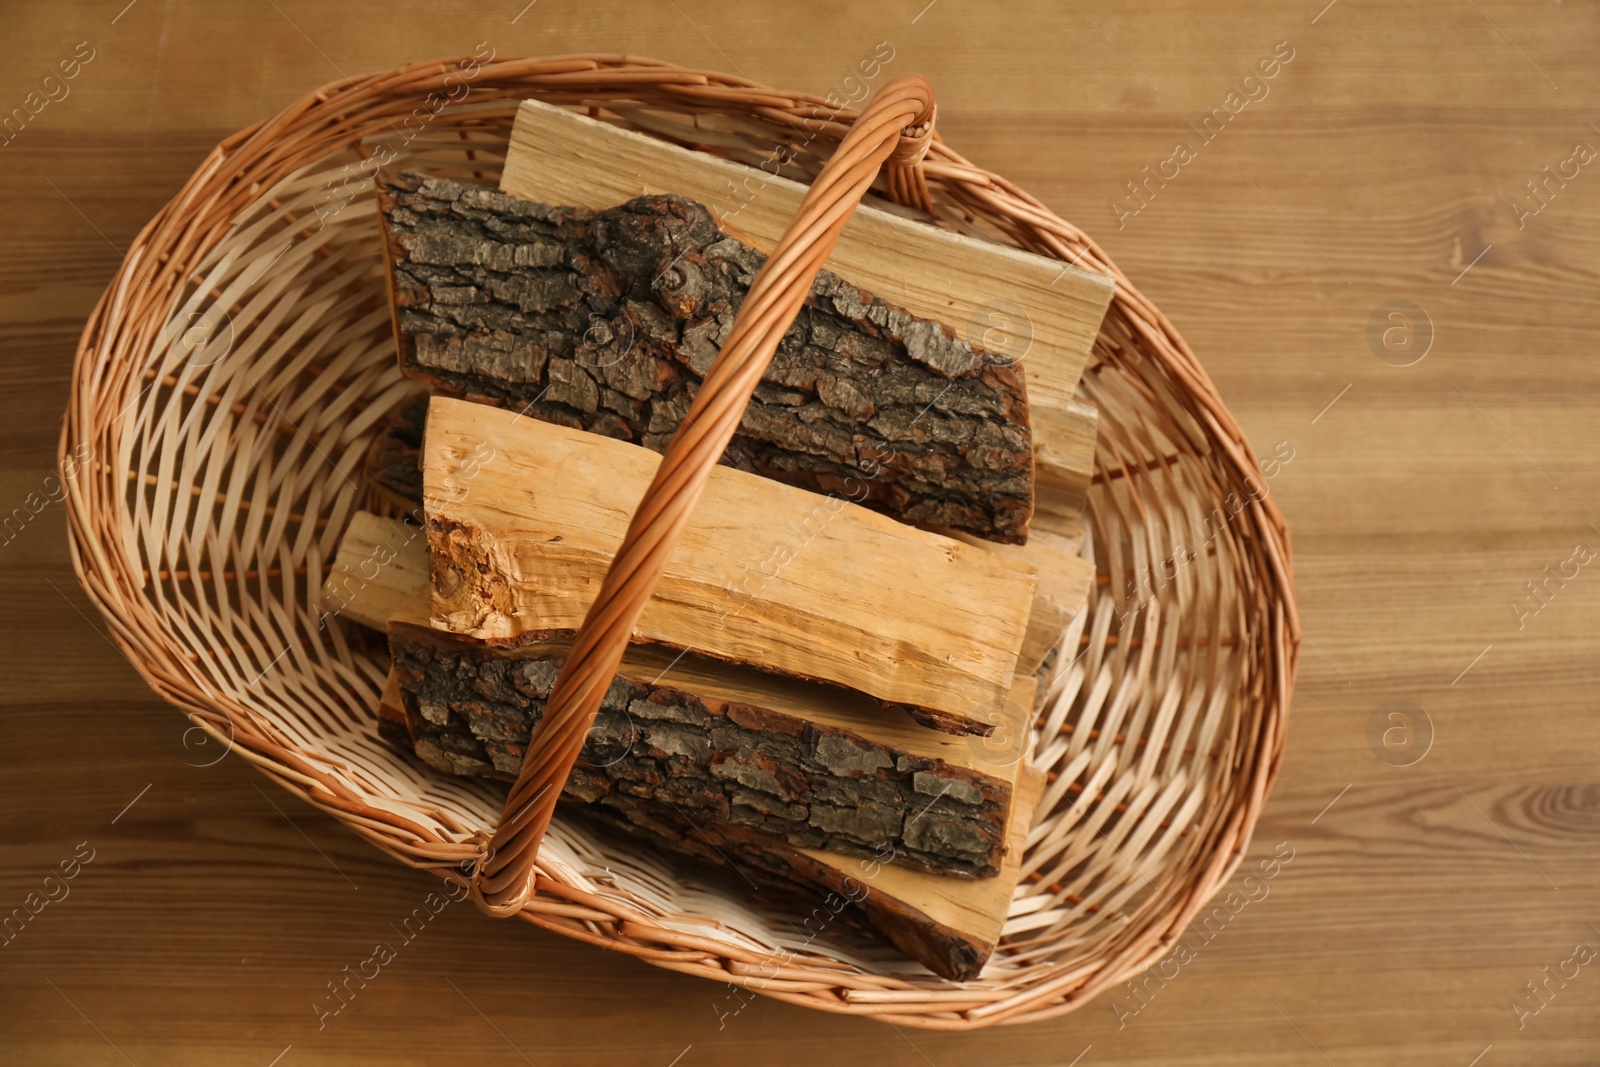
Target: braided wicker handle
[895,128]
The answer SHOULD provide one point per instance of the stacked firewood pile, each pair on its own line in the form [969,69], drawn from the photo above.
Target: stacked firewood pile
[834,684]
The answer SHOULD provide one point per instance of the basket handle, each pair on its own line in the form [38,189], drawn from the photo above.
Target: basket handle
[896,128]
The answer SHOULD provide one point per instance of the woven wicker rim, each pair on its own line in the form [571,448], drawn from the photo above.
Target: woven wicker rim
[209,480]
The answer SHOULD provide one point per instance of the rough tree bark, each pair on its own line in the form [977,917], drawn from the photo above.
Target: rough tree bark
[950,925]
[606,321]
[657,749]
[392,468]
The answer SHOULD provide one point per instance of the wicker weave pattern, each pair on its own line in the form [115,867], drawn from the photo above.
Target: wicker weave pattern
[233,373]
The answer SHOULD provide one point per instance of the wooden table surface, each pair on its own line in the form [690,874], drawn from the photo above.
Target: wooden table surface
[1387,161]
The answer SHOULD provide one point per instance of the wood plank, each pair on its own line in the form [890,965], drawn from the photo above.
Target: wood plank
[1051,310]
[380,572]
[524,517]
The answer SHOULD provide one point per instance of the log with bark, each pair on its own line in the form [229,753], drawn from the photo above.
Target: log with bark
[523,518]
[723,747]
[812,763]
[949,925]
[606,321]
[816,765]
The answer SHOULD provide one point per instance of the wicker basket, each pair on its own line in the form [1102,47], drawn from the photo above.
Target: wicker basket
[234,372]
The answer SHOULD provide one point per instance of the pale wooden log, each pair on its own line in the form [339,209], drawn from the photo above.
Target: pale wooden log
[1063,456]
[1048,314]
[1064,577]
[1064,581]
[379,573]
[523,517]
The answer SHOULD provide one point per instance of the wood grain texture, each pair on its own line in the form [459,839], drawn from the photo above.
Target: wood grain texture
[380,573]
[207,925]
[524,517]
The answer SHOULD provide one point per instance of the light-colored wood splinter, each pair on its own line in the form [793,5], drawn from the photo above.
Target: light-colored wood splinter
[523,518]
[1036,309]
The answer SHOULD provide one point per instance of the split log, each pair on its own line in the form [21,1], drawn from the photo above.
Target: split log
[724,747]
[607,321]
[1040,313]
[1064,581]
[1064,441]
[1065,578]
[949,925]
[816,765]
[523,518]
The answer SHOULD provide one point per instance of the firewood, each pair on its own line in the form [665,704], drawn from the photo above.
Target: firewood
[380,573]
[949,925]
[811,765]
[1065,579]
[392,470]
[815,764]
[607,320]
[523,517]
[1063,462]
[1037,311]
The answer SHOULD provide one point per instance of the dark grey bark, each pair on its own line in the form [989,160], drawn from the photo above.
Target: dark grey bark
[392,465]
[606,321]
[655,750]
